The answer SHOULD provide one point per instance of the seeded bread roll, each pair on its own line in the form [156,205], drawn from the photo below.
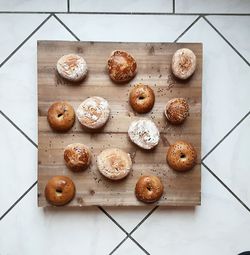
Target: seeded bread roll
[77,156]
[121,66]
[177,110]
[181,156]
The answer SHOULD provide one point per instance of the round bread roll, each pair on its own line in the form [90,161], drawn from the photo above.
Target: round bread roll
[183,63]
[61,116]
[115,164]
[149,189]
[177,110]
[59,190]
[181,156]
[72,67]
[144,133]
[93,113]
[121,66]
[142,98]
[77,156]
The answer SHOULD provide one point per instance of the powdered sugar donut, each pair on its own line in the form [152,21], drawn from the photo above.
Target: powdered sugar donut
[94,112]
[144,133]
[72,67]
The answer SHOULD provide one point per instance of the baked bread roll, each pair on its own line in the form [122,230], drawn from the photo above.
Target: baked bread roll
[93,113]
[183,63]
[177,110]
[61,116]
[115,164]
[181,156]
[142,98]
[121,66]
[72,67]
[144,133]
[59,190]
[77,156]
[149,189]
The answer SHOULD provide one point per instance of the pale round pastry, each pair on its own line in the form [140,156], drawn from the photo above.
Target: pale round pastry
[177,110]
[94,112]
[61,116]
[121,66]
[142,98]
[149,189]
[115,164]
[59,190]
[144,133]
[77,156]
[183,63]
[181,156]
[72,67]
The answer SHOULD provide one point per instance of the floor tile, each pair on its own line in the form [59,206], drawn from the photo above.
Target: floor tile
[223,83]
[17,165]
[21,26]
[18,93]
[236,31]
[230,163]
[212,228]
[141,28]
[34,5]
[212,6]
[128,217]
[129,247]
[31,230]
[121,6]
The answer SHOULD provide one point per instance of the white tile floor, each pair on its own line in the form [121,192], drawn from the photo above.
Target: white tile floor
[222,224]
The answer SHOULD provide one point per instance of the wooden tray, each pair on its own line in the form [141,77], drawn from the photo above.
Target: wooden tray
[181,189]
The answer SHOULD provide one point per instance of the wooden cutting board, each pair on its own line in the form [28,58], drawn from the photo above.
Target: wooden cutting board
[153,59]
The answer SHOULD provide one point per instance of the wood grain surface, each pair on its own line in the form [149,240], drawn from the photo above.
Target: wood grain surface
[153,59]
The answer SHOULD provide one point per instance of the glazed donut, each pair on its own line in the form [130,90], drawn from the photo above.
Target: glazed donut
[93,113]
[183,63]
[142,98]
[72,67]
[59,190]
[181,156]
[115,164]
[61,116]
[121,66]
[77,156]
[144,133]
[149,189]
[177,110]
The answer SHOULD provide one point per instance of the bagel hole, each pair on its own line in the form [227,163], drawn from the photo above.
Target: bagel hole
[60,115]
[141,97]
[58,192]
[148,188]
[183,155]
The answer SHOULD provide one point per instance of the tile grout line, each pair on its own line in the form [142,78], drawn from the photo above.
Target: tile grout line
[227,134]
[133,230]
[25,40]
[127,13]
[68,6]
[173,6]
[18,200]
[225,186]
[224,38]
[187,29]
[67,28]
[19,129]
